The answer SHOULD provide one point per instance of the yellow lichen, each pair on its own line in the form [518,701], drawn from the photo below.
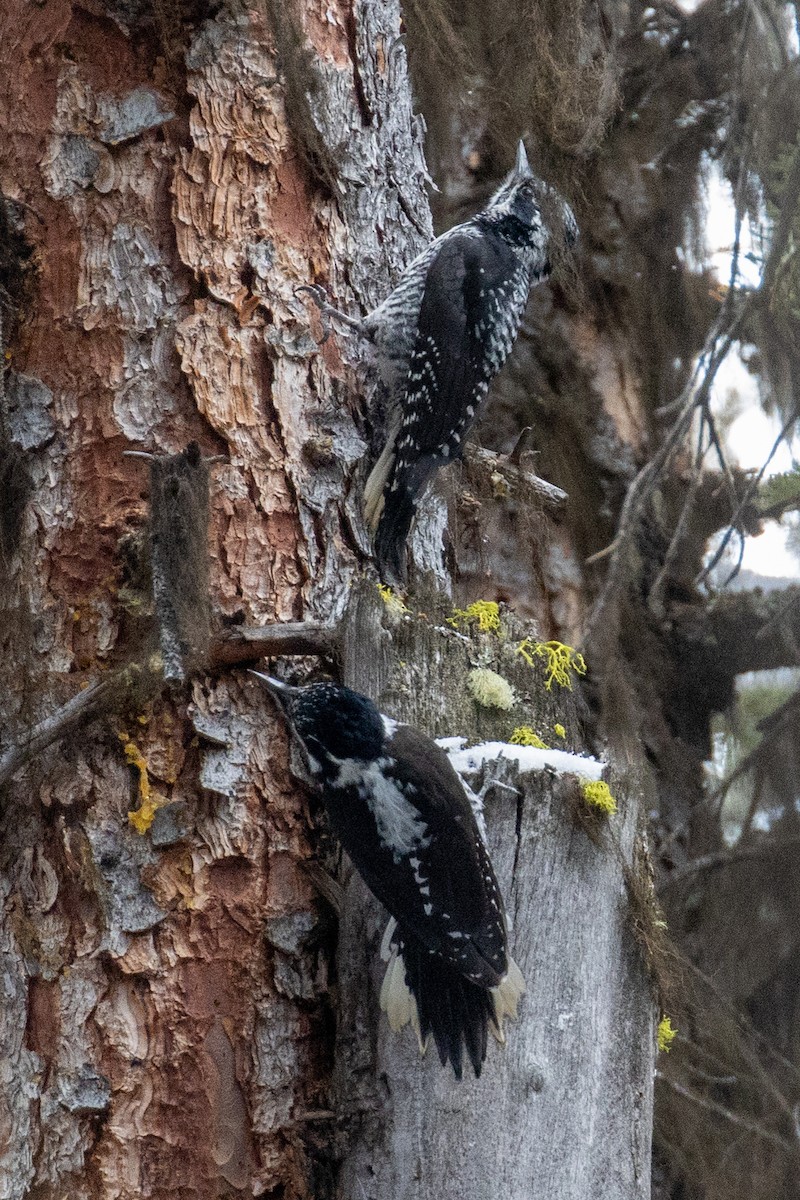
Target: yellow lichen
[560,660]
[598,795]
[394,604]
[141,818]
[484,613]
[559,731]
[523,735]
[490,689]
[665,1035]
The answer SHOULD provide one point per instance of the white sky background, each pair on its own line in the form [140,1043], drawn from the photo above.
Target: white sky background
[750,437]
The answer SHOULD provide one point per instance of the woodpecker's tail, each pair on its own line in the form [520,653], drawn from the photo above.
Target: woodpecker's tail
[396,516]
[426,991]
[389,507]
[374,487]
[403,485]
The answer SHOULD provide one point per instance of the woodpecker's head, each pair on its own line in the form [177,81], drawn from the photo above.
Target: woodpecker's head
[334,724]
[527,211]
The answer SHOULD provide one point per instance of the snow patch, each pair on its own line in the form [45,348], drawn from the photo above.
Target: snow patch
[528,758]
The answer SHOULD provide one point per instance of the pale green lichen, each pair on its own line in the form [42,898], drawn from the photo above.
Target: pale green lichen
[598,795]
[524,735]
[559,731]
[483,613]
[665,1035]
[490,689]
[560,660]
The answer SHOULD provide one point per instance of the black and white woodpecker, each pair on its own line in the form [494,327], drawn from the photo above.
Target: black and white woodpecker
[402,814]
[443,334]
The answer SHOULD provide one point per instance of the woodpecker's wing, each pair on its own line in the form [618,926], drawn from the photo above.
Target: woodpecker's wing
[424,858]
[452,361]
[456,353]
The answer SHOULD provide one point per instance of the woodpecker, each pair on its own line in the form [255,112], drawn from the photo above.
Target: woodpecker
[441,337]
[402,814]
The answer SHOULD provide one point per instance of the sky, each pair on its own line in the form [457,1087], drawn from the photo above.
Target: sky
[750,437]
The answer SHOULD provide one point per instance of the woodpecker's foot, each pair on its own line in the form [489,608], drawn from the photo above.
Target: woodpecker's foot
[326,309]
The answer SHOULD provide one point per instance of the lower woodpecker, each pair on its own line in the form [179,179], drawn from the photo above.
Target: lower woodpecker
[403,816]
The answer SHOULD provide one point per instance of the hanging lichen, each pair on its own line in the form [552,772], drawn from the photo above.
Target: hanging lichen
[560,661]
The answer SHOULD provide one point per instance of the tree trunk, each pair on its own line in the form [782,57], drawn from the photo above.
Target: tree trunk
[167,954]
[565,1109]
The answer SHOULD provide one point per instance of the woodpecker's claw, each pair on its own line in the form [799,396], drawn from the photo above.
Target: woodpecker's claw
[326,309]
[320,299]
[315,291]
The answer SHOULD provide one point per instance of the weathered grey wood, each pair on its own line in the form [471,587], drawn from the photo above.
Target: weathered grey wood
[564,1111]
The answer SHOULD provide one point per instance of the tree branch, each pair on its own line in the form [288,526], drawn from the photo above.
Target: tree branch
[694,395]
[244,643]
[727,1114]
[736,624]
[233,647]
[78,711]
[519,476]
[726,858]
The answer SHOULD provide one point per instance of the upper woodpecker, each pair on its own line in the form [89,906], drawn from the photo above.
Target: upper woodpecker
[402,814]
[441,337]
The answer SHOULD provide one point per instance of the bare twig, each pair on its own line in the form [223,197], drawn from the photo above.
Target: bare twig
[726,858]
[79,711]
[727,1114]
[776,729]
[714,440]
[750,1037]
[750,492]
[244,643]
[655,599]
[694,395]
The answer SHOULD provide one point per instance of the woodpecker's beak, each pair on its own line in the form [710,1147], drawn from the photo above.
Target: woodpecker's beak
[522,168]
[283,692]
